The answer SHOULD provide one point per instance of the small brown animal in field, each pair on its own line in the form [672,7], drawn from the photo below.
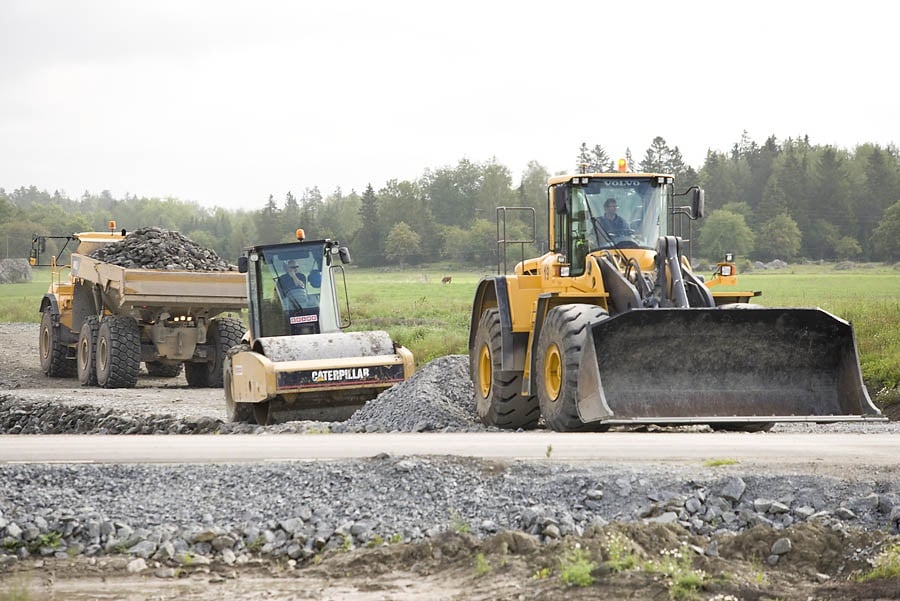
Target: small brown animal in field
[446,279]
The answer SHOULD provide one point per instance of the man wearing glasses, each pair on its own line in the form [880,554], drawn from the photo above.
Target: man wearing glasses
[610,221]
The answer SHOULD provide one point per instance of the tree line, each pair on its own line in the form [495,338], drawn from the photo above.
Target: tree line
[787,200]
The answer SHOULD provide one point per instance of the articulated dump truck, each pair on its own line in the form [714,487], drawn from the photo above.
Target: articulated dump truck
[102,320]
[612,326]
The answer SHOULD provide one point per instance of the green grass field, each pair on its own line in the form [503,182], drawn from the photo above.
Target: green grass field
[432,319]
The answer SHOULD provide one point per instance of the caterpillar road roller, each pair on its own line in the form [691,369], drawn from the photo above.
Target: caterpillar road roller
[612,326]
[296,361]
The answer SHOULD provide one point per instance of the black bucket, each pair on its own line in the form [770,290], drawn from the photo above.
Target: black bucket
[720,365]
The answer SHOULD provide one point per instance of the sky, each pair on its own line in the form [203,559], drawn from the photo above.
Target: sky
[225,102]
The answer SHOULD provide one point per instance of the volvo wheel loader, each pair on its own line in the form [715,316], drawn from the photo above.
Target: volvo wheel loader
[296,362]
[611,326]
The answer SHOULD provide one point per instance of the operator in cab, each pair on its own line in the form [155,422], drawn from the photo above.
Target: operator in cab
[610,221]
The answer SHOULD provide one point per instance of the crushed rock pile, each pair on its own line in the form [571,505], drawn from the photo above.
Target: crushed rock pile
[157,248]
[439,396]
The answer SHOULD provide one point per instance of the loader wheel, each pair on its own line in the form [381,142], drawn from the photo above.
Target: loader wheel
[558,355]
[163,369]
[118,354]
[53,351]
[223,333]
[235,412]
[498,394]
[85,354]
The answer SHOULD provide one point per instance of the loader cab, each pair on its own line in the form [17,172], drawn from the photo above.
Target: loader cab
[583,223]
[291,288]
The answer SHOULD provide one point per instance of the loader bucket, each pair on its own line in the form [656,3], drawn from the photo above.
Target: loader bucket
[723,367]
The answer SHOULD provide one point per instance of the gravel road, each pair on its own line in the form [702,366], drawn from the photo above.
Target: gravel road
[411,526]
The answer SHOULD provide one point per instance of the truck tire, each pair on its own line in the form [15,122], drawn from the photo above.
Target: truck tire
[557,358]
[118,356]
[235,412]
[498,394]
[163,369]
[222,334]
[86,351]
[53,352]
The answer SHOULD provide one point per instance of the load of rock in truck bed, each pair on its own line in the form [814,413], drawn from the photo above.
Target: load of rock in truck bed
[157,248]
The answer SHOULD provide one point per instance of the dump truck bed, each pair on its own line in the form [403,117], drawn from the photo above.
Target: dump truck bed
[124,288]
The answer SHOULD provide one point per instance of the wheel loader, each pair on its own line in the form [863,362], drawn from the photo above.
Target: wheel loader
[612,326]
[296,362]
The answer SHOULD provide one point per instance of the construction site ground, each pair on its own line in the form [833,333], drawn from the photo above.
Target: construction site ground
[452,565]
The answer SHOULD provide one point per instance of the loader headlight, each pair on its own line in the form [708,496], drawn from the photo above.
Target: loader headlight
[725,270]
[729,257]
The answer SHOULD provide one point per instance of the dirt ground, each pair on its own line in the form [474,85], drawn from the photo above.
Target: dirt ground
[505,567]
[455,566]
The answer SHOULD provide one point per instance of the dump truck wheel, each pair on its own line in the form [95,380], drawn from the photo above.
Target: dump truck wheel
[235,412]
[118,355]
[53,353]
[223,333]
[498,397]
[85,353]
[163,369]
[558,355]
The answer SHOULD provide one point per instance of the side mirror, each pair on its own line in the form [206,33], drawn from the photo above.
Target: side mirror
[242,264]
[697,204]
[344,254]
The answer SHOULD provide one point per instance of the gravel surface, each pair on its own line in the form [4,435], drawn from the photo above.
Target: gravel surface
[232,515]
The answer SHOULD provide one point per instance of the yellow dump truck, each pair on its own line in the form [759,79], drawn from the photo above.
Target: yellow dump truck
[99,321]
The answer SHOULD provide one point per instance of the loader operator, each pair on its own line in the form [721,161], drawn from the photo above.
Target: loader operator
[610,221]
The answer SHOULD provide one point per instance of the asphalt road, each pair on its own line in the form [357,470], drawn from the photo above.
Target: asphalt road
[830,450]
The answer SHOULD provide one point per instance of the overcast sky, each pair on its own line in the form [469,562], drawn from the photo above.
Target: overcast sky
[224,102]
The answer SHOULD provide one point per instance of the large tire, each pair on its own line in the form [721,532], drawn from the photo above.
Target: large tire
[498,394]
[86,351]
[118,356]
[222,334]
[560,346]
[53,352]
[235,412]
[163,368]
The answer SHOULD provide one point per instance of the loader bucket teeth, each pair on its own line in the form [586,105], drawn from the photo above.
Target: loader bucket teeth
[724,366]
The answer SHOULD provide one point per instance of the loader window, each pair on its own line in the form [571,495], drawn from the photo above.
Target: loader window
[638,205]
